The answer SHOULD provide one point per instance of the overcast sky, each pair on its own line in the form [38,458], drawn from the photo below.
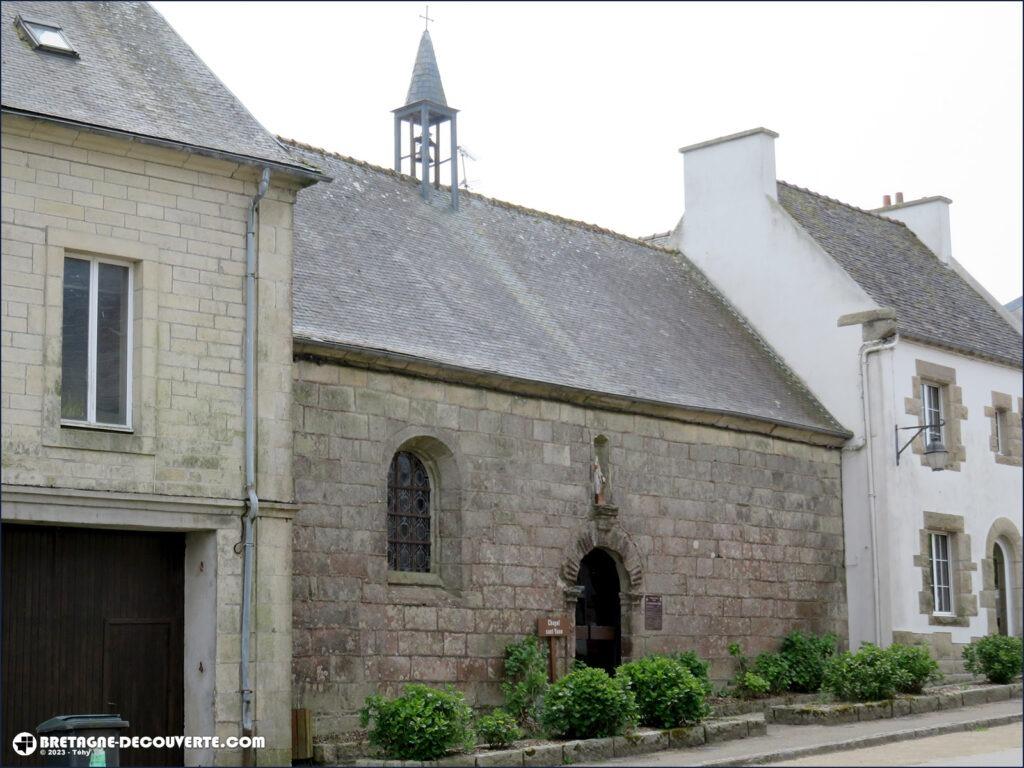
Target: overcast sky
[579,108]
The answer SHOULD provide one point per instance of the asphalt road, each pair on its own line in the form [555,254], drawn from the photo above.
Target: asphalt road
[999,746]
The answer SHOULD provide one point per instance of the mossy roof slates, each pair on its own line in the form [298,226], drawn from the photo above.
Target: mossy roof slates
[933,303]
[501,289]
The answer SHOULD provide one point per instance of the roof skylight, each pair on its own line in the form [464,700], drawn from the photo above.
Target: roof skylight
[48,37]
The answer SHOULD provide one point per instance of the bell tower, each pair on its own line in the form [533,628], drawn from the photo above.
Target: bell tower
[425,111]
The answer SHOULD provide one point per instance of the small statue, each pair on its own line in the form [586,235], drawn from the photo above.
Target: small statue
[600,483]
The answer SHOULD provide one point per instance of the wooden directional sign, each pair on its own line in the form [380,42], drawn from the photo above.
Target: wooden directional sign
[556,627]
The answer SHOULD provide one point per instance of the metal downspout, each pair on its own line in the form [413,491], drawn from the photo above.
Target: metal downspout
[252,506]
[866,350]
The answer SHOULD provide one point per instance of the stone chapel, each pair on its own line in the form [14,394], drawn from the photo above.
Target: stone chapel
[502,416]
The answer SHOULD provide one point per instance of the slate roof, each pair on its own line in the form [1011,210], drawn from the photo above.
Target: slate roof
[500,289]
[933,303]
[426,78]
[134,74]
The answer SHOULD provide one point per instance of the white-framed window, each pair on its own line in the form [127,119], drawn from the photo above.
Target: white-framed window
[96,343]
[931,397]
[942,591]
[1001,416]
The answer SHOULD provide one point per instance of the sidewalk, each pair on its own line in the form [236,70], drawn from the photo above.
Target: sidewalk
[998,746]
[791,741]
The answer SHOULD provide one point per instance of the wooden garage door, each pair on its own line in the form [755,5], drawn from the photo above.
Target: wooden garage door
[92,623]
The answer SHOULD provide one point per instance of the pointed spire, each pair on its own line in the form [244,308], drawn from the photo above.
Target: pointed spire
[426,79]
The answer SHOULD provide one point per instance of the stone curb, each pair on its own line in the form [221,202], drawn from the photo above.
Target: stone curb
[841,713]
[868,741]
[734,707]
[586,751]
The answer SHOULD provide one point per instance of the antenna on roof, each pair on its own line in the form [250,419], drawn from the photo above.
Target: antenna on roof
[465,154]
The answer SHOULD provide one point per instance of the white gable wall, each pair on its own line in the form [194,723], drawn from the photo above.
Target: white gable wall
[793,293]
[768,267]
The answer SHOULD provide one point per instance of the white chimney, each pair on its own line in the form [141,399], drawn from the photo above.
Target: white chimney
[731,170]
[928,218]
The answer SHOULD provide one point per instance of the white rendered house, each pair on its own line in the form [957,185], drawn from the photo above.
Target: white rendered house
[888,330]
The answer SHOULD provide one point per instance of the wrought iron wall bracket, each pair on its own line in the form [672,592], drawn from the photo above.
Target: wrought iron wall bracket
[917,431]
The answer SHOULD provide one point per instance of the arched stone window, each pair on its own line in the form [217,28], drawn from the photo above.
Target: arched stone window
[420,515]
[409,512]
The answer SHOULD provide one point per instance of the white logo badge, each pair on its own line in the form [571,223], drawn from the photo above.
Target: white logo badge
[24,744]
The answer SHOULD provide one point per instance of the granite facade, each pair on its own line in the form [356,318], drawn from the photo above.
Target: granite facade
[740,534]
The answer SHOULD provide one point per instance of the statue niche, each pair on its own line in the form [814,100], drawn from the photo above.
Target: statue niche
[605,513]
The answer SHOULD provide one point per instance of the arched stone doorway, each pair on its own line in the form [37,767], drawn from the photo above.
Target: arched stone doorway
[599,612]
[1002,592]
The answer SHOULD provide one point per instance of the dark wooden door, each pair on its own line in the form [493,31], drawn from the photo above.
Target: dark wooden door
[599,612]
[999,575]
[92,623]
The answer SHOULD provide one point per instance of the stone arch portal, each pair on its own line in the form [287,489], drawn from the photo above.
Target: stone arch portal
[1001,578]
[617,551]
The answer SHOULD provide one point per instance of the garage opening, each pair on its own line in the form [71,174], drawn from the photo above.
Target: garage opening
[93,624]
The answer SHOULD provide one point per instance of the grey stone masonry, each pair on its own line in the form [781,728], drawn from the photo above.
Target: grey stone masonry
[740,534]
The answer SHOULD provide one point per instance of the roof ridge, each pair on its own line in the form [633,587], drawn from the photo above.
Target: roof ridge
[843,203]
[493,200]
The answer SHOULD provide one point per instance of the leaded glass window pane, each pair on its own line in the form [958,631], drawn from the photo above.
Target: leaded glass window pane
[408,514]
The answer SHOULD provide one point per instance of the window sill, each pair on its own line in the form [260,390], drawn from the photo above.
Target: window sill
[414,578]
[72,424]
[92,437]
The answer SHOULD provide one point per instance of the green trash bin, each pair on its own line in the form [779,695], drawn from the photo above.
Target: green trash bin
[78,753]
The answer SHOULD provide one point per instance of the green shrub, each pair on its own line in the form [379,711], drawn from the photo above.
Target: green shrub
[667,695]
[870,674]
[915,665]
[697,667]
[421,724]
[806,656]
[526,680]
[498,729]
[749,683]
[587,704]
[772,668]
[997,657]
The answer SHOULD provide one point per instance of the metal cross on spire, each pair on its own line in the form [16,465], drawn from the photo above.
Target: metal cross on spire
[426,18]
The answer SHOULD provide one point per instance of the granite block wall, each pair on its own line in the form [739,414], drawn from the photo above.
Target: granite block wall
[740,534]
